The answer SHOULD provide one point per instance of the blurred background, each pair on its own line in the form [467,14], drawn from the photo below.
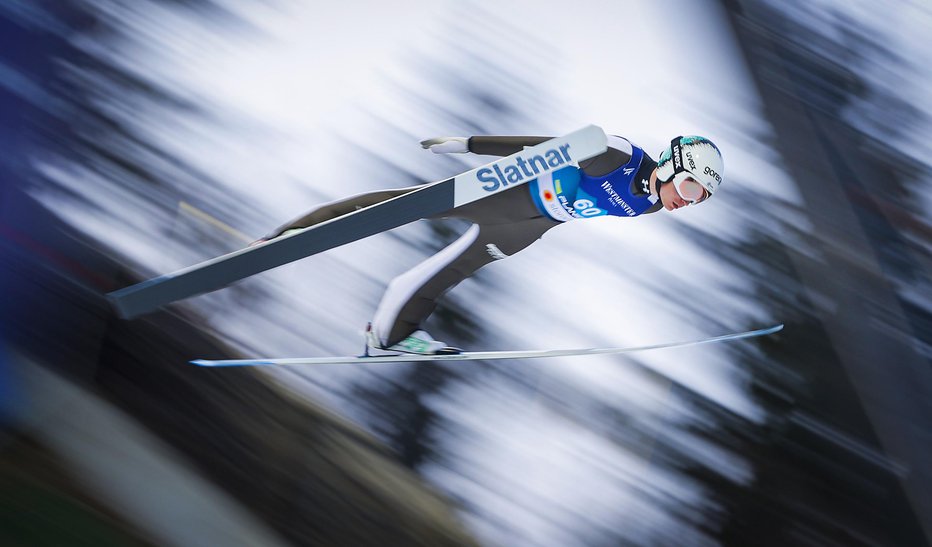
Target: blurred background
[141,137]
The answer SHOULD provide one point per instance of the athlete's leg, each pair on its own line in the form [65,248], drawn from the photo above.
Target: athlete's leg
[412,296]
[512,205]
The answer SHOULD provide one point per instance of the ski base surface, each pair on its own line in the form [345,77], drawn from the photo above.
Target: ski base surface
[477,355]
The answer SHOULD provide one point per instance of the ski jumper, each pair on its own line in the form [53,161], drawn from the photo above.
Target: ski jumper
[613,183]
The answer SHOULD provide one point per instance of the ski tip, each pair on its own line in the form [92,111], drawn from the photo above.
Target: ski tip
[201,362]
[766,331]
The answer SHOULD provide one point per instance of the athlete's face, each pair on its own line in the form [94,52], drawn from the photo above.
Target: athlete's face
[672,200]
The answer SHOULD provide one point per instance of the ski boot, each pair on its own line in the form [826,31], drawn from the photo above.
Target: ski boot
[418,342]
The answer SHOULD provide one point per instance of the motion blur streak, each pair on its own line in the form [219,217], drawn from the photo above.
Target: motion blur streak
[141,137]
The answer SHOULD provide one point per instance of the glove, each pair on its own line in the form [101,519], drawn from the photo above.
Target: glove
[447,145]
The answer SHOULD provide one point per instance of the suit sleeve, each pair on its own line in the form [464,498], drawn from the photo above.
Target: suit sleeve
[502,146]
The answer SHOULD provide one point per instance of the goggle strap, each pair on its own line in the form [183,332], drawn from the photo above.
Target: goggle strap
[676,152]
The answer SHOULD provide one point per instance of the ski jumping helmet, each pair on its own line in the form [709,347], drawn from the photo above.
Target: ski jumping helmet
[691,157]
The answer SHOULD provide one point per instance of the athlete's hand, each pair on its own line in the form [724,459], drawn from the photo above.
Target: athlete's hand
[270,238]
[447,145]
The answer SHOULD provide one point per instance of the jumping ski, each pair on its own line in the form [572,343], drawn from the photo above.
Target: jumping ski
[427,200]
[478,355]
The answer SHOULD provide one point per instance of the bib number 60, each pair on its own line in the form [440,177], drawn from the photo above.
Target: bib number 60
[586,208]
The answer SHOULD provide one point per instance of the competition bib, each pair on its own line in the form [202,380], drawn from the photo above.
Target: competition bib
[570,193]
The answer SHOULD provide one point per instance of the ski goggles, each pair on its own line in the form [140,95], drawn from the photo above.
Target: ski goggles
[688,188]
[685,185]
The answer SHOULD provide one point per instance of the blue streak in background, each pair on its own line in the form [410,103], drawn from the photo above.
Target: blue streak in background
[32,36]
[11,394]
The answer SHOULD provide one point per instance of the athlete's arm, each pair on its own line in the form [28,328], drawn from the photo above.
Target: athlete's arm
[501,146]
[487,146]
[505,146]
